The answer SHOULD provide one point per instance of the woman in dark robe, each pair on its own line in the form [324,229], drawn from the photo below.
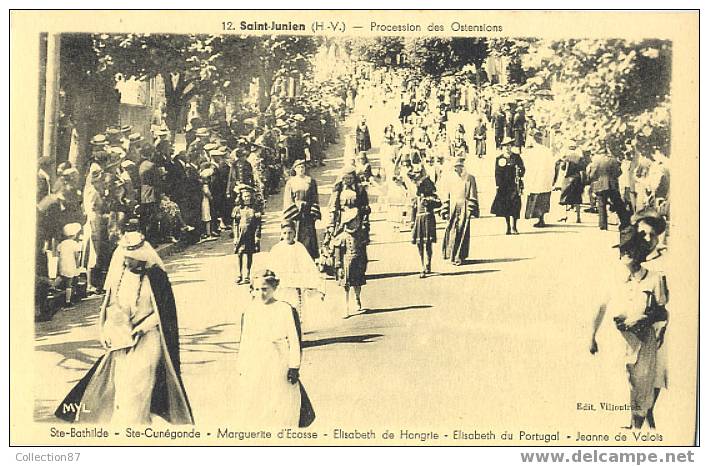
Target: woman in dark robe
[301,204]
[139,375]
[509,170]
[480,136]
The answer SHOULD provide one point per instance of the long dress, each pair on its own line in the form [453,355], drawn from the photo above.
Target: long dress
[130,384]
[462,201]
[538,181]
[269,346]
[480,135]
[508,177]
[301,194]
[362,138]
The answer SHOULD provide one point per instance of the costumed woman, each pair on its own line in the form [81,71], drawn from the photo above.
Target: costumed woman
[301,206]
[636,305]
[460,204]
[424,204]
[269,392]
[570,170]
[297,271]
[509,170]
[139,375]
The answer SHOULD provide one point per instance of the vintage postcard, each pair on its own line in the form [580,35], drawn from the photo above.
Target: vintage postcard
[354,228]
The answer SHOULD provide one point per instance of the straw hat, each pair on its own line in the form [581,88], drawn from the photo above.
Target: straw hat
[71,229]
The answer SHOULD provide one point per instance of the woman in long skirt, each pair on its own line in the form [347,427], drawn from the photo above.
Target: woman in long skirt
[509,170]
[301,205]
[138,377]
[268,393]
[636,306]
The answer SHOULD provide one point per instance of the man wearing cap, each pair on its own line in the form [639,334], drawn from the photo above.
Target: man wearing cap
[603,173]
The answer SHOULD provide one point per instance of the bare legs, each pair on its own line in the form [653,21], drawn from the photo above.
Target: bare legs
[425,254]
[358,299]
[244,259]
[511,226]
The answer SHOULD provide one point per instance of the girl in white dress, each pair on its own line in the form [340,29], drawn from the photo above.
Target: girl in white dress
[269,360]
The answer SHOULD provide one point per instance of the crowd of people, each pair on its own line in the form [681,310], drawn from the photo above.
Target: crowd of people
[146,183]
[140,192]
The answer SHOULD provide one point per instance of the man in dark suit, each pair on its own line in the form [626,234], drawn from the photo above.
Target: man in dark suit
[499,124]
[603,172]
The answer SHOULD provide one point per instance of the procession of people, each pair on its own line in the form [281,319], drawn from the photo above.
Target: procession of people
[141,191]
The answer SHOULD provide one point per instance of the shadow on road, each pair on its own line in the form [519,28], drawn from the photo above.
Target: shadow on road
[396,309]
[494,261]
[462,272]
[379,276]
[367,338]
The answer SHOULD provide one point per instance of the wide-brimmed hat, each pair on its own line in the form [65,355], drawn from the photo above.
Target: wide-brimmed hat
[218,152]
[206,173]
[280,123]
[201,132]
[113,130]
[132,240]
[459,162]
[298,117]
[210,146]
[280,113]
[652,218]
[298,163]
[628,237]
[99,140]
[71,229]
[126,129]
[135,137]
[162,132]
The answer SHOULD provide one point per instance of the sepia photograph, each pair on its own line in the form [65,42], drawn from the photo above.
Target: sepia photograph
[305,228]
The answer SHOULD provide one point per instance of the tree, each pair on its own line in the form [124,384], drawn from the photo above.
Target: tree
[280,57]
[382,51]
[186,63]
[437,56]
[609,91]
[89,100]
[514,50]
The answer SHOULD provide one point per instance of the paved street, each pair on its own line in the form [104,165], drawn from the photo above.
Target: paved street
[500,342]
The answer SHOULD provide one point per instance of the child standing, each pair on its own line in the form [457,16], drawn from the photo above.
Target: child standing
[247,233]
[68,251]
[206,176]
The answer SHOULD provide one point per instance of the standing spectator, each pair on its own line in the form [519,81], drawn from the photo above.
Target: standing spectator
[68,252]
[499,125]
[149,197]
[44,183]
[603,173]
[480,136]
[206,176]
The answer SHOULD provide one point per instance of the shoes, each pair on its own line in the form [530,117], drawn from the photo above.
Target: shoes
[539,225]
[562,220]
[215,234]
[187,228]
[239,281]
[508,232]
[515,232]
[422,274]
[246,281]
